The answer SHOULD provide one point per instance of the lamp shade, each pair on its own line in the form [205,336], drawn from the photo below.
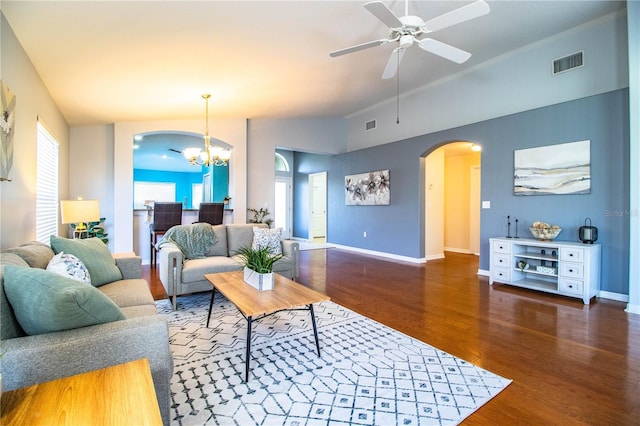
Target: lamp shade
[79,211]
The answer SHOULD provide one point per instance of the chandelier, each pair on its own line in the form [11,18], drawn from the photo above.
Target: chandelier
[212,155]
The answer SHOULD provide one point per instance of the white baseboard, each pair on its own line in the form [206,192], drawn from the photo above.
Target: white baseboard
[632,309]
[484,273]
[381,254]
[613,296]
[458,250]
[434,257]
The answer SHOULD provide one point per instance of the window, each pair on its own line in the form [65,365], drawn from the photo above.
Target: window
[196,195]
[156,191]
[281,163]
[46,185]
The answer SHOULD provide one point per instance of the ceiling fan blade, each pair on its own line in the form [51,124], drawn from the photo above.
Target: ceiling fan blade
[383,13]
[446,51]
[358,47]
[393,63]
[465,13]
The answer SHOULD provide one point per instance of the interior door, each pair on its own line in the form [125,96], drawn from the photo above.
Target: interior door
[282,214]
[474,210]
[318,208]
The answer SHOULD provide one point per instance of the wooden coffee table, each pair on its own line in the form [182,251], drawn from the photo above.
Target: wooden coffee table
[287,295]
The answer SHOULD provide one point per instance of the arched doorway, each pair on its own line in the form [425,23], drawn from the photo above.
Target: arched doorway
[452,199]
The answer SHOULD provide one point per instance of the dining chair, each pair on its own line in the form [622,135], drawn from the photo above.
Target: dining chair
[211,213]
[165,215]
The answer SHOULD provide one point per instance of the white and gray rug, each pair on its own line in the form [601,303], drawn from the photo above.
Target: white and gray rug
[368,374]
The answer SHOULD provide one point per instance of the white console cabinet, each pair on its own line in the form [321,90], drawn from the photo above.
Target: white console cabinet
[561,267]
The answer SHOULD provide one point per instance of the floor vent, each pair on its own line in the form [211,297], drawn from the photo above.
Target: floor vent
[370,125]
[568,63]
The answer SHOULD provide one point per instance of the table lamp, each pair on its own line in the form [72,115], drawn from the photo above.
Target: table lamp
[79,212]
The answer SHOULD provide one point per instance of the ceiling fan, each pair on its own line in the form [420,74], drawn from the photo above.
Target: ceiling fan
[407,30]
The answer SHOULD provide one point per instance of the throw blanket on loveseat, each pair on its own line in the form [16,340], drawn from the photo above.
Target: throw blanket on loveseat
[193,240]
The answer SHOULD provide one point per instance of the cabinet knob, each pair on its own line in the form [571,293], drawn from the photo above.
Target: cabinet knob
[570,254]
[570,285]
[570,270]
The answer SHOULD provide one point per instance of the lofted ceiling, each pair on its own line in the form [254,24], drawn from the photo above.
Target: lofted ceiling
[112,61]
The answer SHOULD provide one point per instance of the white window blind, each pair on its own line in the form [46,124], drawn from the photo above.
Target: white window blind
[46,185]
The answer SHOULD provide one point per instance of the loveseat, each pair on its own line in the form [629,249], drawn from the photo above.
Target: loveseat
[180,275]
[48,355]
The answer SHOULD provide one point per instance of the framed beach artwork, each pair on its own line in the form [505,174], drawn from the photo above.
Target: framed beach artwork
[553,169]
[367,189]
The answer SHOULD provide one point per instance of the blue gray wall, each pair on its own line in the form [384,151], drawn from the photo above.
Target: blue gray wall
[304,165]
[399,228]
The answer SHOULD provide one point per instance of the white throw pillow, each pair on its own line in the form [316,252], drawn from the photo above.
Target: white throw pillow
[269,238]
[69,266]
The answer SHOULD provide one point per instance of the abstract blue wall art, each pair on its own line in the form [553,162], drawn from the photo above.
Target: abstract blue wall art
[553,169]
[367,189]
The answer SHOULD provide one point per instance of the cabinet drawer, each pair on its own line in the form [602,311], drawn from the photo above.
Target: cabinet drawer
[572,254]
[501,260]
[501,274]
[571,270]
[570,286]
[501,247]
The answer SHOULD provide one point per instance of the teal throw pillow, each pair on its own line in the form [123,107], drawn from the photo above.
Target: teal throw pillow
[44,302]
[94,254]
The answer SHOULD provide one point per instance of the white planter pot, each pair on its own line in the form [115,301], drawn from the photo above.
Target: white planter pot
[258,281]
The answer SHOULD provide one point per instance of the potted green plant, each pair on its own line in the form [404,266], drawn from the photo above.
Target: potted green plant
[259,215]
[95,229]
[258,266]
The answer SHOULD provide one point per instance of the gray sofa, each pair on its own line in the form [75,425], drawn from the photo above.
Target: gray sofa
[184,276]
[28,360]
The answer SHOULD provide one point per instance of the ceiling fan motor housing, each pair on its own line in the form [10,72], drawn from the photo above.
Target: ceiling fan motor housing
[411,23]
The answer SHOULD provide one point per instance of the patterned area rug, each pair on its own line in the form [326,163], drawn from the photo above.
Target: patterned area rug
[368,374]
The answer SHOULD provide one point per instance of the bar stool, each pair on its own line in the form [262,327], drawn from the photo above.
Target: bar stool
[211,213]
[165,215]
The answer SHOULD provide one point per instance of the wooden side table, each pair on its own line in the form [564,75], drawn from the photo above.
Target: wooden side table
[119,395]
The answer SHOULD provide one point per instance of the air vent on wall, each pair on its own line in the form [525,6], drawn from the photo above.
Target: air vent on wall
[568,63]
[370,125]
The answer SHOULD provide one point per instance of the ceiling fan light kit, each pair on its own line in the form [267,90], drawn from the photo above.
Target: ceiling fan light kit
[407,29]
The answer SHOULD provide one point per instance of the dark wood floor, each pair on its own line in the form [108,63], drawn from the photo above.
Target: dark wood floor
[570,363]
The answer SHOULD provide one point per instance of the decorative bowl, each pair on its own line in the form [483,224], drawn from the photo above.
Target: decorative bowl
[544,233]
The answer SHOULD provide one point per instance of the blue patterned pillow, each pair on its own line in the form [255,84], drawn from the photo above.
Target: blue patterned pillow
[69,266]
[269,238]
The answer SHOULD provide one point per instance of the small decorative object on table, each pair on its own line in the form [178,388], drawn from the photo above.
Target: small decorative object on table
[544,232]
[588,234]
[258,267]
[547,269]
[522,265]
